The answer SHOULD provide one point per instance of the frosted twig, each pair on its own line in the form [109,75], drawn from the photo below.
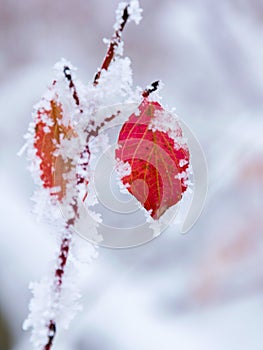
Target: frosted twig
[60,270]
[67,73]
[62,260]
[114,43]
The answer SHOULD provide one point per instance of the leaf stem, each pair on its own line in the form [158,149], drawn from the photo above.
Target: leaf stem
[153,87]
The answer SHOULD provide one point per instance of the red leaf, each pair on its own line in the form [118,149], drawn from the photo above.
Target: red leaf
[158,161]
[48,133]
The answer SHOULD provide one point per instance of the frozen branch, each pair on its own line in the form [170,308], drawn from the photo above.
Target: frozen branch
[114,44]
[60,270]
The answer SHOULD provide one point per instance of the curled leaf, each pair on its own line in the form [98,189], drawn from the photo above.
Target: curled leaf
[49,132]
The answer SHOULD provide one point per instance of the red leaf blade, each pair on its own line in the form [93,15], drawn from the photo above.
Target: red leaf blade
[158,161]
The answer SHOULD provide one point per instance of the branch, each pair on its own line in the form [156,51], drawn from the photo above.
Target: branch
[114,43]
[60,270]
[65,244]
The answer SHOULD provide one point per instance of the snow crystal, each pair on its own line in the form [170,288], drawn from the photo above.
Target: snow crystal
[87,224]
[116,83]
[189,180]
[158,226]
[123,169]
[167,122]
[46,129]
[137,112]
[41,312]
[180,176]
[119,13]
[22,149]
[99,144]
[55,189]
[106,41]
[119,49]
[123,187]
[68,303]
[83,253]
[182,162]
[44,103]
[95,216]
[45,209]
[135,11]
[69,148]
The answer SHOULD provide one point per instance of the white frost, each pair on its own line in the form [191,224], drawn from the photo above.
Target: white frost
[41,312]
[135,11]
[119,13]
[169,123]
[123,169]
[50,304]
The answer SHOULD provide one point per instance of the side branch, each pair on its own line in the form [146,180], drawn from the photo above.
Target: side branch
[95,132]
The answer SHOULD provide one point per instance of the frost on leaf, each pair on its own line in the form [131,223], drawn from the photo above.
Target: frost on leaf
[153,145]
[49,133]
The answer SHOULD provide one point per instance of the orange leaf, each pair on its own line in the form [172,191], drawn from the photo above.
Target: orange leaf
[49,130]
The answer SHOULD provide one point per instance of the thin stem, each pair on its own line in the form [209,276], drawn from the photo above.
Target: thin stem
[68,76]
[59,273]
[95,132]
[62,260]
[153,87]
[114,43]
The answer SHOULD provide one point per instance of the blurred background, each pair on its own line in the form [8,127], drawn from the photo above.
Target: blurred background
[196,291]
